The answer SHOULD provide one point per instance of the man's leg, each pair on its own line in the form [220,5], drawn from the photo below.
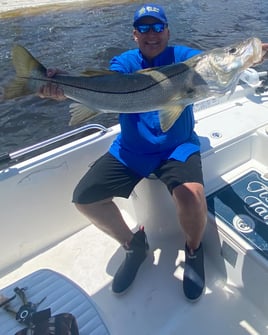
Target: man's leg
[192,212]
[185,182]
[106,216]
[93,197]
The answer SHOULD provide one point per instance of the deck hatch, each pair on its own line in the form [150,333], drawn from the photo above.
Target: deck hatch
[243,206]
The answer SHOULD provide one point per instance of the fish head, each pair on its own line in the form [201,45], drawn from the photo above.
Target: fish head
[227,63]
[237,57]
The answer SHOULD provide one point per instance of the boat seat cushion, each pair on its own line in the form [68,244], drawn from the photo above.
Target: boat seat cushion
[62,295]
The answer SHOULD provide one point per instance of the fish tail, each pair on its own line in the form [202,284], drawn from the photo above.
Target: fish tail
[27,68]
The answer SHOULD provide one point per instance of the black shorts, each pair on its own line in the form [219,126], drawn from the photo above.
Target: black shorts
[109,178]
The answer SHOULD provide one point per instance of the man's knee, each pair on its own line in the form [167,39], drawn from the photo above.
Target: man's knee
[190,195]
[91,207]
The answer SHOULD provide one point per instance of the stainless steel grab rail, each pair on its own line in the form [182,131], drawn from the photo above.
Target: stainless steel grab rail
[7,157]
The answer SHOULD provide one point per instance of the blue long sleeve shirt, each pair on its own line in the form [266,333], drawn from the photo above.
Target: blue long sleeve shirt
[142,145]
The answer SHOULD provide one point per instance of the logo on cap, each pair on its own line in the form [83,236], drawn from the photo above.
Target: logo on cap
[150,10]
[145,9]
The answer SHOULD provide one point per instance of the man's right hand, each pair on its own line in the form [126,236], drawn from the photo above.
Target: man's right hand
[51,90]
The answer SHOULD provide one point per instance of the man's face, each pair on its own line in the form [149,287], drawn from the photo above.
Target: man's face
[151,43]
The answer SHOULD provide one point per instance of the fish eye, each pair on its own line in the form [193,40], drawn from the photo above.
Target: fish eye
[232,51]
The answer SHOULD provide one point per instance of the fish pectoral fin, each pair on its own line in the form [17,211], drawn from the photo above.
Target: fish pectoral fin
[169,115]
[81,113]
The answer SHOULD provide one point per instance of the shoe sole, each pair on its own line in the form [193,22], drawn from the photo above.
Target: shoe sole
[197,299]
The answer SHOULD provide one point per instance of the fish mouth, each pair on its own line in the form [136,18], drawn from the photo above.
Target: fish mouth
[254,53]
[258,51]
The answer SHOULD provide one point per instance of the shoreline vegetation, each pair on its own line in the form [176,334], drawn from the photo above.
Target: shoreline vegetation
[9,9]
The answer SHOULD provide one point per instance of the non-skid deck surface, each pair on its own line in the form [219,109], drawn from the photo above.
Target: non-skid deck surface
[62,295]
[243,206]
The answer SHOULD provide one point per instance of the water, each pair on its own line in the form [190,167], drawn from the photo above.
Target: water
[82,37]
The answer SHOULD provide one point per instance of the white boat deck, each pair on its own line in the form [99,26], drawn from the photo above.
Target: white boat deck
[155,303]
[43,230]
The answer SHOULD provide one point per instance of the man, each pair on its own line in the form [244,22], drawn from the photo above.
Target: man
[140,149]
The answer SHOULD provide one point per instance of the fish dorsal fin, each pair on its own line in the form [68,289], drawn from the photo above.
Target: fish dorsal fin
[149,69]
[169,115]
[146,70]
[80,113]
[95,73]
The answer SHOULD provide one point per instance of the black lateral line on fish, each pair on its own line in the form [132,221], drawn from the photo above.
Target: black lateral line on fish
[54,81]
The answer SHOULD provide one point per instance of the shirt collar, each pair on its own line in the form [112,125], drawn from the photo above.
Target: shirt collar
[166,57]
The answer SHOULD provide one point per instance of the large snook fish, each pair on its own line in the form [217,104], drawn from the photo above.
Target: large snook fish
[168,89]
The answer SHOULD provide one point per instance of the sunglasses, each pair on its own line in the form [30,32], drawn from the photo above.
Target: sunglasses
[156,27]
